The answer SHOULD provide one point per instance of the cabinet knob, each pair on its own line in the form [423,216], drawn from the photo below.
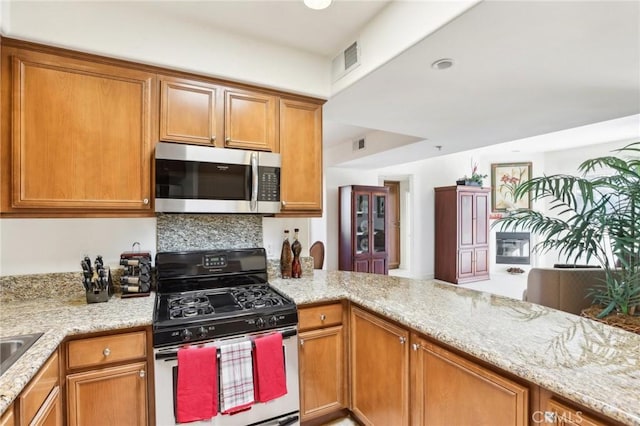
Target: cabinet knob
[227,140]
[106,352]
[142,373]
[145,201]
[301,342]
[213,139]
[403,340]
[415,346]
[283,202]
[323,317]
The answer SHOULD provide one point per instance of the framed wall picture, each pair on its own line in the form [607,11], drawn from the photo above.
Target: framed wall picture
[505,178]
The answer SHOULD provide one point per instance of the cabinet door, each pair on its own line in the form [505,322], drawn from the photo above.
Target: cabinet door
[187,112]
[379,265]
[361,265]
[448,389]
[361,223]
[481,261]
[322,372]
[50,413]
[465,263]
[379,370]
[379,222]
[250,121]
[8,418]
[81,136]
[301,150]
[465,218]
[564,415]
[481,218]
[110,396]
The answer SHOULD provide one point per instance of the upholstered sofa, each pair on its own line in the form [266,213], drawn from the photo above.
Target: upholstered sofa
[565,289]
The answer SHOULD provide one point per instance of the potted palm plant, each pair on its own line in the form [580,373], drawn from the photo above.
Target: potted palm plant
[593,216]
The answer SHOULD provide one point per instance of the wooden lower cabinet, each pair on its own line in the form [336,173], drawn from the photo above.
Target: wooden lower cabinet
[561,414]
[40,403]
[109,396]
[107,379]
[322,361]
[449,389]
[379,370]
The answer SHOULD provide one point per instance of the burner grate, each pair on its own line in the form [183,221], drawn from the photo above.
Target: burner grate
[189,306]
[256,297]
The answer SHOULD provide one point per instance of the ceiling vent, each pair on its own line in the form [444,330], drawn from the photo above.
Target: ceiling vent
[346,61]
[358,144]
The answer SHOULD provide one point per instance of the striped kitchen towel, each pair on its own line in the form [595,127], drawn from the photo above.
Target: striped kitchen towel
[236,377]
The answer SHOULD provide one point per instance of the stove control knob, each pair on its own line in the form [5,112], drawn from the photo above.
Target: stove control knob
[273,320]
[260,323]
[202,332]
[186,334]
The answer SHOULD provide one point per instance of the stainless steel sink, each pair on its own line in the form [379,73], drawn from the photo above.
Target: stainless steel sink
[11,348]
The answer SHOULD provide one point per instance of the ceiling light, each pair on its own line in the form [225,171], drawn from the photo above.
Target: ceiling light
[317,4]
[442,64]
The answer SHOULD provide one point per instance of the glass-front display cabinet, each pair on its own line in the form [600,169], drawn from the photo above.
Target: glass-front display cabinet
[363,229]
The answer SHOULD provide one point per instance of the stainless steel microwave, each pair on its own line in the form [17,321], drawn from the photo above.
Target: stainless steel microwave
[202,179]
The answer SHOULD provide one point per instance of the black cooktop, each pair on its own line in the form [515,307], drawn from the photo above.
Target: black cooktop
[215,293]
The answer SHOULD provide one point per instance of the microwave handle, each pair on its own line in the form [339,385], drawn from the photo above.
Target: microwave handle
[254,181]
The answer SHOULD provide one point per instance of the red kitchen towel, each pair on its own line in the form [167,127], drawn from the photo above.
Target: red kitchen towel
[270,380]
[197,393]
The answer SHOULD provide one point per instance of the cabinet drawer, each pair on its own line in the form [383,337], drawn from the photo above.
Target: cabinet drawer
[106,350]
[7,418]
[320,316]
[38,389]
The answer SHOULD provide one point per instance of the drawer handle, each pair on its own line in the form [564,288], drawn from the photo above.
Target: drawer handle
[403,340]
[106,352]
[323,317]
[142,373]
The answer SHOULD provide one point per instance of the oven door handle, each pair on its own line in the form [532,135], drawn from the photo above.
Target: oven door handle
[172,355]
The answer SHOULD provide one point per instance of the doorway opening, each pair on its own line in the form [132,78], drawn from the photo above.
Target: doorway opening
[399,224]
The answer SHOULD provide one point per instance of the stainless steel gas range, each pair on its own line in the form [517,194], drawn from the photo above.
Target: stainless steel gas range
[220,298]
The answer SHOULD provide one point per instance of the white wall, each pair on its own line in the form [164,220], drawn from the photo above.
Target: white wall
[134,30]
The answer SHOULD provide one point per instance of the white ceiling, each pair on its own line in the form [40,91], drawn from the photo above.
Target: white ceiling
[521,69]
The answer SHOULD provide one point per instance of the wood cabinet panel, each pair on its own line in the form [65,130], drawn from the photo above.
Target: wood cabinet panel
[461,240]
[37,391]
[379,266]
[50,413]
[319,316]
[105,350]
[109,396]
[301,151]
[379,370]
[322,370]
[187,111]
[250,121]
[449,389]
[8,418]
[81,134]
[565,415]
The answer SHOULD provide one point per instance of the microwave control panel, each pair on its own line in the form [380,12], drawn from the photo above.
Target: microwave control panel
[268,183]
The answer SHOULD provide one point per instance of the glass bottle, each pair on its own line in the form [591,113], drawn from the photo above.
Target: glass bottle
[296,248]
[285,256]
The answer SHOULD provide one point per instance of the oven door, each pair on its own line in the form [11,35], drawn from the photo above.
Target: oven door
[281,411]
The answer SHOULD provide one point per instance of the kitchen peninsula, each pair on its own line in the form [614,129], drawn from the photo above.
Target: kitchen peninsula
[582,362]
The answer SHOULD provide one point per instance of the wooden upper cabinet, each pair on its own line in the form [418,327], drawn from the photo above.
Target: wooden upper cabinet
[301,150]
[188,111]
[81,134]
[250,120]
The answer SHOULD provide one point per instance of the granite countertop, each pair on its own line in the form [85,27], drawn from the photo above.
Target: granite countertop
[57,319]
[593,364]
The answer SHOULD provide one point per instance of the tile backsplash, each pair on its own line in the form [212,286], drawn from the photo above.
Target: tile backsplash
[177,232]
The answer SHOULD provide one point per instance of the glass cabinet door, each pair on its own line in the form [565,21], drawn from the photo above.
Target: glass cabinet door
[362,222]
[379,222]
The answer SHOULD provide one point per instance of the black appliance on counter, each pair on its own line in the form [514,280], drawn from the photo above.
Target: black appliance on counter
[217,297]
